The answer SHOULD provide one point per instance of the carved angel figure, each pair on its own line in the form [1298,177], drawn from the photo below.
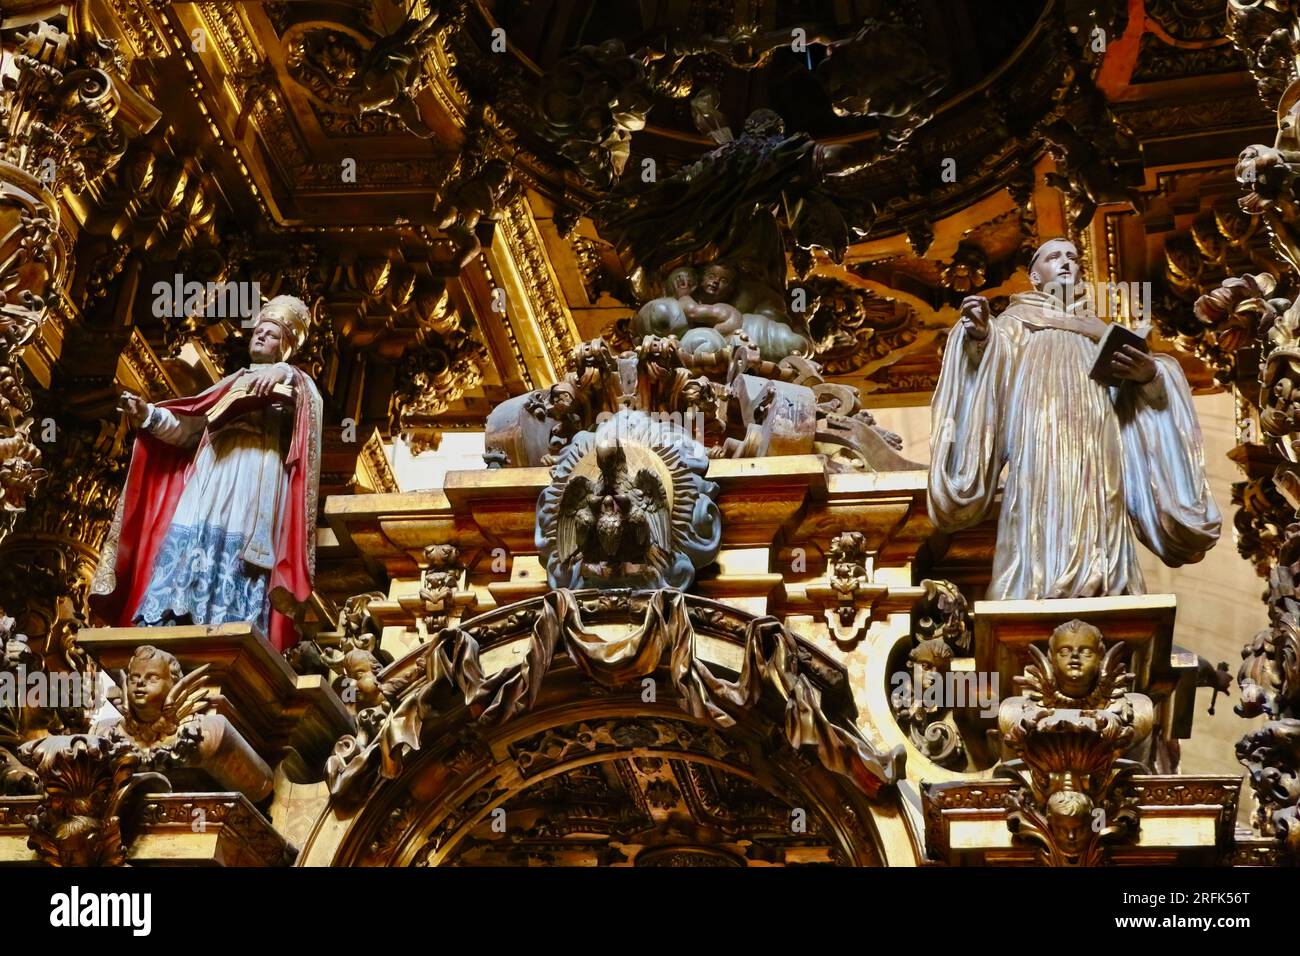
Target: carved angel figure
[391,75]
[477,198]
[165,716]
[156,698]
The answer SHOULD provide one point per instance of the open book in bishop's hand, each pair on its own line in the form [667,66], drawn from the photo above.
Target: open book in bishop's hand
[240,401]
[1112,340]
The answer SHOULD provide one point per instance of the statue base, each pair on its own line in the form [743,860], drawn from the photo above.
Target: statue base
[1182,820]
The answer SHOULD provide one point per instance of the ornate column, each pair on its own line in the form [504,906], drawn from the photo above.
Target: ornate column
[66,116]
[1269,35]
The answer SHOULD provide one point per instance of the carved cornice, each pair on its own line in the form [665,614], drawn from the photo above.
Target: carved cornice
[544,301]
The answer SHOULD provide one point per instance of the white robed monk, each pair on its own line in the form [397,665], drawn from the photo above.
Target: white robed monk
[1091,469]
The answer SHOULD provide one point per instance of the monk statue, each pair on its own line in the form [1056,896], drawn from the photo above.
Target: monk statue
[219,506]
[1091,468]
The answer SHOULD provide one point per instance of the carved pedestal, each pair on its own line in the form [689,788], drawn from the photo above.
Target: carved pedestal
[170,829]
[1181,820]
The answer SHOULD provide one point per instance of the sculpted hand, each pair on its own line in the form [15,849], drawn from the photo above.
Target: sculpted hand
[1133,365]
[134,408]
[975,314]
[261,382]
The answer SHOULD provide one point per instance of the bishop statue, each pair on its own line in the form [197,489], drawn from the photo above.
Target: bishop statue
[219,507]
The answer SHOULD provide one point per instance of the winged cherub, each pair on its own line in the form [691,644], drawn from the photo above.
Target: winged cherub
[1078,674]
[156,699]
[617,523]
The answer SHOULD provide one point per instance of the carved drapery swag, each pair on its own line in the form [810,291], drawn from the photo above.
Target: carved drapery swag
[771,664]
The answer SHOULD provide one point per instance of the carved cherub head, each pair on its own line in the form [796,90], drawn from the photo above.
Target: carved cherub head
[560,400]
[497,175]
[1076,652]
[1077,671]
[929,661]
[682,281]
[362,668]
[150,676]
[717,282]
[1069,814]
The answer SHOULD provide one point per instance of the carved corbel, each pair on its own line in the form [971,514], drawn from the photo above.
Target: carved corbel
[852,595]
[1066,737]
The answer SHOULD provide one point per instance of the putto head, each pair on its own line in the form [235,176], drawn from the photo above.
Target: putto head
[150,676]
[682,281]
[1075,649]
[717,282]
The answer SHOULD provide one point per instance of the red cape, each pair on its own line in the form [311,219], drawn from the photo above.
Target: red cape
[157,476]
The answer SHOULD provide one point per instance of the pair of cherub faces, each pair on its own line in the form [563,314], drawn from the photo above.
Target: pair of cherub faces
[715,283]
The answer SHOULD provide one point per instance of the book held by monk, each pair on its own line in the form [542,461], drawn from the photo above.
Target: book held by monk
[1113,339]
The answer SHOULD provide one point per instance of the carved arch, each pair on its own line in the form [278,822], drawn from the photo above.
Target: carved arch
[643,780]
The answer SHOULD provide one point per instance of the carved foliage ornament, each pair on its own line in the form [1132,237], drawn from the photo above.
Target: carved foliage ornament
[89,783]
[57,114]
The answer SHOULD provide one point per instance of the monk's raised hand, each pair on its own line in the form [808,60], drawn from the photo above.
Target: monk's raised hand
[1133,365]
[975,315]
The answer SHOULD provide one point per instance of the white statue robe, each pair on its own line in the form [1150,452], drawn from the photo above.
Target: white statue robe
[1090,469]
